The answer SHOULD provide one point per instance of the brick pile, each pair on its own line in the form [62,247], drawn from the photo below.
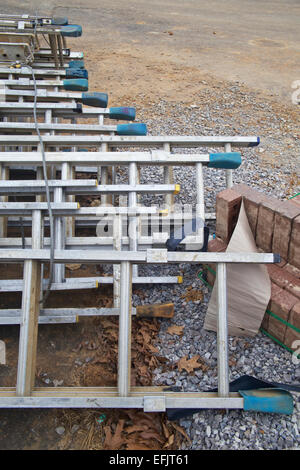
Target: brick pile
[275,225]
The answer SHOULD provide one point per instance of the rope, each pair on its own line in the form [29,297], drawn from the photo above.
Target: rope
[51,221]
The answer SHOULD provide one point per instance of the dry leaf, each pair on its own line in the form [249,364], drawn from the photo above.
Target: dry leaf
[166,431]
[114,442]
[134,428]
[153,362]
[134,446]
[152,348]
[142,369]
[190,364]
[175,330]
[181,430]
[152,326]
[151,421]
[113,333]
[192,295]
[73,266]
[152,435]
[146,336]
[170,441]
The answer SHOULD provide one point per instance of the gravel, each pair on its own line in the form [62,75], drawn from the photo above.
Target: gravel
[272,169]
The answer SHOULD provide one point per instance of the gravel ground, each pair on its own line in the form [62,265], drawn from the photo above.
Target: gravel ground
[271,168]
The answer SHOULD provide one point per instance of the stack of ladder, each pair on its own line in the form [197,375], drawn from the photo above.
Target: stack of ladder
[43,110]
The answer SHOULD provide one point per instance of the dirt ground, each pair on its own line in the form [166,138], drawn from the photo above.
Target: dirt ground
[141,53]
[254,42]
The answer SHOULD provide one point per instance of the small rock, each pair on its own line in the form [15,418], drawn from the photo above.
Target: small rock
[60,430]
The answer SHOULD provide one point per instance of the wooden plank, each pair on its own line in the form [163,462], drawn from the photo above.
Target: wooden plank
[28,328]
[155,310]
[30,315]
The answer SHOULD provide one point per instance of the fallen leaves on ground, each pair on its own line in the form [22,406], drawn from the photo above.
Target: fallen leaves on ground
[73,266]
[182,431]
[115,440]
[192,295]
[102,351]
[175,330]
[143,432]
[191,364]
[122,429]
[143,352]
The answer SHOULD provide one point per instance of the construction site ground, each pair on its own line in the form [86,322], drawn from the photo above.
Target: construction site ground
[161,57]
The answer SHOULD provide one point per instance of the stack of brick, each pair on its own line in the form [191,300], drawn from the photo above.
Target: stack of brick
[275,226]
